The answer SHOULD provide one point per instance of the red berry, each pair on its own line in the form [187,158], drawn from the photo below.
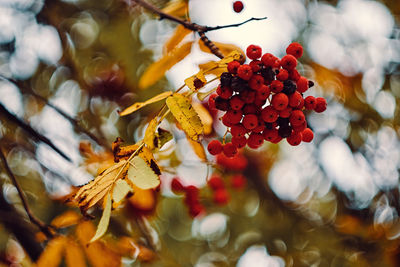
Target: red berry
[288,62]
[255,65]
[236,163]
[232,117]
[250,109]
[320,104]
[295,49]
[236,102]
[214,147]
[285,113]
[255,140]
[268,59]
[221,104]
[307,135]
[245,72]
[253,51]
[270,134]
[263,93]
[297,117]
[238,181]
[280,101]
[211,101]
[300,128]
[294,139]
[277,139]
[256,82]
[269,114]
[239,141]
[192,195]
[302,84]
[296,100]
[310,102]
[294,75]
[216,182]
[196,210]
[238,6]
[176,185]
[276,86]
[248,96]
[238,130]
[283,75]
[260,127]
[233,66]
[250,121]
[259,102]
[221,196]
[224,91]
[229,150]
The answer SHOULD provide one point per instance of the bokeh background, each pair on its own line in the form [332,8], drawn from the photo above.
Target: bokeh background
[68,66]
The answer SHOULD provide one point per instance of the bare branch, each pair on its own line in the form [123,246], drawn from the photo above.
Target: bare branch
[232,25]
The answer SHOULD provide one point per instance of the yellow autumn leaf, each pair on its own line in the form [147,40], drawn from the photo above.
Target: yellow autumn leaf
[120,191]
[176,38]
[186,116]
[225,49]
[105,219]
[150,134]
[139,105]
[53,253]
[157,70]
[203,95]
[196,81]
[141,175]
[198,149]
[91,193]
[177,8]
[234,55]
[74,256]
[213,67]
[205,117]
[66,219]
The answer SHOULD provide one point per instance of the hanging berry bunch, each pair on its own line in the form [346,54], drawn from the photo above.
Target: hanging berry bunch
[264,101]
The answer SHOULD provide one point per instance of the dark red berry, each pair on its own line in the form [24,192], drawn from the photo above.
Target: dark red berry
[284,131]
[238,130]
[191,195]
[233,66]
[250,109]
[288,62]
[236,102]
[238,6]
[295,49]
[248,96]
[224,92]
[211,101]
[297,117]
[250,121]
[221,196]
[320,104]
[255,140]
[310,102]
[256,82]
[214,147]
[225,79]
[253,51]
[216,182]
[280,101]
[269,114]
[282,75]
[229,150]
[221,104]
[239,141]
[294,139]
[307,135]
[245,72]
[302,84]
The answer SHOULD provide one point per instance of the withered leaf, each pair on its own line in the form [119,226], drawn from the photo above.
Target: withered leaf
[176,38]
[196,81]
[105,219]
[141,175]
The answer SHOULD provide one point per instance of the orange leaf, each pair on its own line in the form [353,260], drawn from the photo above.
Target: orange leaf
[98,254]
[74,256]
[157,70]
[143,200]
[52,255]
[66,219]
[177,8]
[177,37]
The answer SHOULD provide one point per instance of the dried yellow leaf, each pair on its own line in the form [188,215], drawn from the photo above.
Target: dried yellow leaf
[205,117]
[105,219]
[141,175]
[177,8]
[52,255]
[74,256]
[150,137]
[176,38]
[66,219]
[196,81]
[139,105]
[213,67]
[157,70]
[186,116]
[120,191]
[203,95]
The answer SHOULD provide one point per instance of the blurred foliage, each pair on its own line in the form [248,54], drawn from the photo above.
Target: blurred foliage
[104,55]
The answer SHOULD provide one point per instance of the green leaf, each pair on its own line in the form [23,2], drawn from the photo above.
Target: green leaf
[104,221]
[141,175]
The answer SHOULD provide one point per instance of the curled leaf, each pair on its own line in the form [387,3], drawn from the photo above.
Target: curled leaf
[141,174]
[157,70]
[105,219]
[150,137]
[139,105]
[198,149]
[184,113]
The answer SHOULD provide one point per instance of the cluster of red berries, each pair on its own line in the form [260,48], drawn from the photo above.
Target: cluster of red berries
[192,199]
[264,100]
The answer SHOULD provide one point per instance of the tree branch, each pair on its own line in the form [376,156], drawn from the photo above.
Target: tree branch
[200,29]
[43,227]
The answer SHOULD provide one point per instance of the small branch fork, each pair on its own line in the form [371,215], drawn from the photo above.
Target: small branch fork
[42,226]
[200,29]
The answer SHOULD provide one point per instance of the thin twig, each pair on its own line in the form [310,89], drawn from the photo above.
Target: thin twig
[42,226]
[200,29]
[32,132]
